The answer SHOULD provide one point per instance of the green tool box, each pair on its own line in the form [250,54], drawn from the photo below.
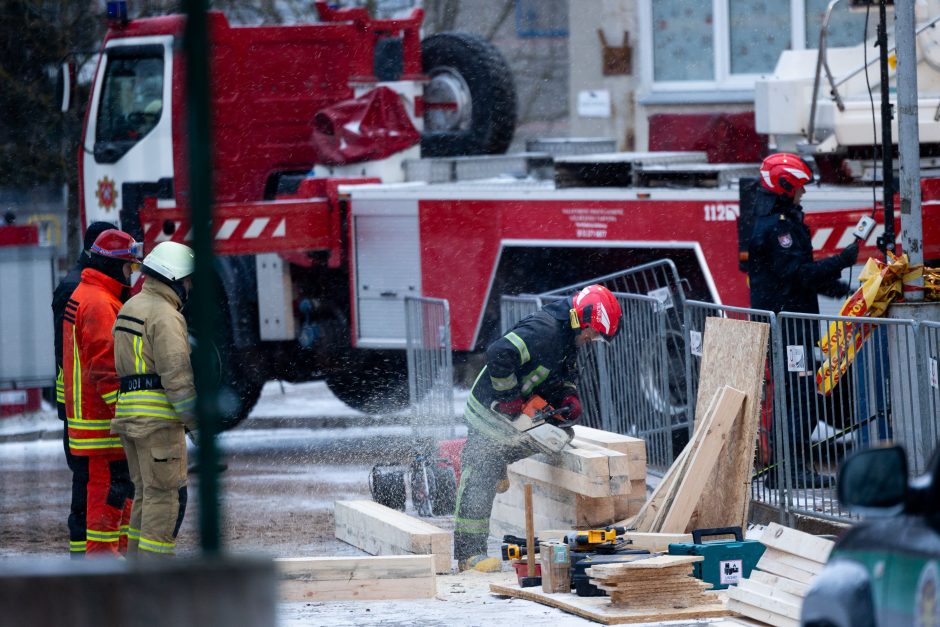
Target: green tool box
[726,561]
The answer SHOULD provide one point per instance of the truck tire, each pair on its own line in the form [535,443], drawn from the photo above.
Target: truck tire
[470,77]
[371,381]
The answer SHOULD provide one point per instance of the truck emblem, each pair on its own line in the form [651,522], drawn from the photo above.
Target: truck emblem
[107,194]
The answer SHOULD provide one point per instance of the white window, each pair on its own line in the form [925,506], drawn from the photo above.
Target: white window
[709,45]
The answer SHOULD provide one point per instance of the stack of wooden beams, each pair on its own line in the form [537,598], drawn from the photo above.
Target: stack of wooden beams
[380,530]
[600,480]
[708,484]
[663,581]
[774,592]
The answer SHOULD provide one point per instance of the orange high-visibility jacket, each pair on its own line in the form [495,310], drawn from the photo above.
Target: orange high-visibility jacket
[91,383]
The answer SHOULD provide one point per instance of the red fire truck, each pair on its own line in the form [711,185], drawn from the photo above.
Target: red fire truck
[317,252]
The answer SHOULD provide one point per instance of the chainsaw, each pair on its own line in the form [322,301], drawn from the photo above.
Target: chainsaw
[546,425]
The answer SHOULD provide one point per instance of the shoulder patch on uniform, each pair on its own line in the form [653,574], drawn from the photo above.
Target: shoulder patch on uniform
[785,240]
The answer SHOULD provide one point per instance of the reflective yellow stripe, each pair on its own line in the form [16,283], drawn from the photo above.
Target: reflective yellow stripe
[60,387]
[534,378]
[133,533]
[152,403]
[110,398]
[501,384]
[520,346]
[102,536]
[471,525]
[77,546]
[139,362]
[187,404]
[155,546]
[75,423]
[92,443]
[76,380]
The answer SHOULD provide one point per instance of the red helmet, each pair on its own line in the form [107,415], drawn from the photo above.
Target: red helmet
[784,173]
[116,244]
[596,307]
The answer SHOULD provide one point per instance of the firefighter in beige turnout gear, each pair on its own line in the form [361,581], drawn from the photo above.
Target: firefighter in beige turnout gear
[157,397]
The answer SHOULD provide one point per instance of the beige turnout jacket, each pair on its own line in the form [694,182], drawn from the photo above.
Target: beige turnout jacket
[150,338]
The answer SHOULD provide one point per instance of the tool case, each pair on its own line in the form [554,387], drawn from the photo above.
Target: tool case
[726,561]
[580,562]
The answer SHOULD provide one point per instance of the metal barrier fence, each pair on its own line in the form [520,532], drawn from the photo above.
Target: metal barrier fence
[513,309]
[430,362]
[931,347]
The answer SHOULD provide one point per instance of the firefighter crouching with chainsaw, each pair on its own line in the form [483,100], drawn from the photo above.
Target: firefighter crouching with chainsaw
[537,358]
[91,389]
[158,397]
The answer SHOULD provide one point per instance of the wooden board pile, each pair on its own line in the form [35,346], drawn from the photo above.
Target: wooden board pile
[380,530]
[774,592]
[661,581]
[708,485]
[599,481]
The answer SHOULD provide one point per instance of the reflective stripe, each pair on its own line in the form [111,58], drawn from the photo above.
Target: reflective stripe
[76,380]
[471,525]
[501,384]
[89,425]
[155,546]
[60,387]
[187,404]
[94,443]
[111,397]
[152,403]
[77,546]
[139,364]
[133,534]
[534,378]
[102,536]
[520,346]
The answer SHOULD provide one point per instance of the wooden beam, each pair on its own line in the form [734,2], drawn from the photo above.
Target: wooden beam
[797,542]
[380,530]
[711,442]
[356,578]
[656,542]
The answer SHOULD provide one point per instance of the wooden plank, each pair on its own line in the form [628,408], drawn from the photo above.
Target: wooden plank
[380,530]
[584,484]
[712,440]
[734,353]
[761,614]
[773,604]
[657,562]
[356,578]
[809,566]
[797,542]
[599,609]
[774,567]
[635,448]
[776,581]
[656,542]
[752,585]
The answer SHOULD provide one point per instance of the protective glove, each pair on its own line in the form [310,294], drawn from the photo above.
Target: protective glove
[510,408]
[574,407]
[849,255]
[837,289]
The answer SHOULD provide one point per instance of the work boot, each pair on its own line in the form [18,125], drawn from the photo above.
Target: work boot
[480,563]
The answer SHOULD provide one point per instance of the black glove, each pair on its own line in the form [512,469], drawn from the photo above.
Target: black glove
[849,256]
[837,289]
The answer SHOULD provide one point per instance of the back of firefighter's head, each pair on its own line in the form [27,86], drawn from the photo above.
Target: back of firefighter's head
[114,253]
[596,311]
[785,174]
[171,263]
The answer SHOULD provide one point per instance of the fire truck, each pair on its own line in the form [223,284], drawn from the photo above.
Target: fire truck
[322,228]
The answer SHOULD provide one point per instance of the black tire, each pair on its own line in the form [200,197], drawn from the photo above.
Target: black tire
[373,382]
[469,73]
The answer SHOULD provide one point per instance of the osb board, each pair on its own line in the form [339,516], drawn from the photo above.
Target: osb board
[734,353]
[599,610]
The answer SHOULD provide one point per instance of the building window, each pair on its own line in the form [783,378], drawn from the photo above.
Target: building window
[542,18]
[704,45]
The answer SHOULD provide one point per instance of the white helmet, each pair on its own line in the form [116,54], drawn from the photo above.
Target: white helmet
[171,260]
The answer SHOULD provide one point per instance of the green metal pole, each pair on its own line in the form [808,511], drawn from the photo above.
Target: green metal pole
[196,51]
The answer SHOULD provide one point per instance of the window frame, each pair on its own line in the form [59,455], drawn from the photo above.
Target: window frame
[724,80]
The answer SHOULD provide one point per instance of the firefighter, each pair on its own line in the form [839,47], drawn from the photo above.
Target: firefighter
[537,357]
[784,277]
[158,397]
[77,465]
[91,389]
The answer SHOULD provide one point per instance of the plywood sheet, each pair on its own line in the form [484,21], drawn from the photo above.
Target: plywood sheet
[734,354]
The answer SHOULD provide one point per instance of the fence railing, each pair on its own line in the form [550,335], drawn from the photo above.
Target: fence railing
[430,362]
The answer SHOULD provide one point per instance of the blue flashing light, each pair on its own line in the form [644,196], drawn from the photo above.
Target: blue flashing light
[117,11]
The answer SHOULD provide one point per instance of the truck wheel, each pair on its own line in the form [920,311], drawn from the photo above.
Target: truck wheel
[373,382]
[470,101]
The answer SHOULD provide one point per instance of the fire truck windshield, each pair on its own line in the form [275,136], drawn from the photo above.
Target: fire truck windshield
[131,99]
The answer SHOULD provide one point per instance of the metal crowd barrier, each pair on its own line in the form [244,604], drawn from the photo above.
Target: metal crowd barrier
[513,309]
[430,362]
[931,347]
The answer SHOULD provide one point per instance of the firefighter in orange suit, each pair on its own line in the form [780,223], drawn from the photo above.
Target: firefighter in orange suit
[157,399]
[91,389]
